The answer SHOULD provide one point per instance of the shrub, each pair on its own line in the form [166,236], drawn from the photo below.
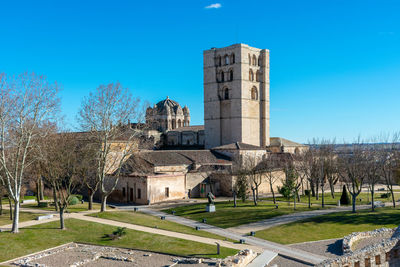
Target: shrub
[344,199]
[73,200]
[242,187]
[43,204]
[307,192]
[117,234]
[79,197]
[385,195]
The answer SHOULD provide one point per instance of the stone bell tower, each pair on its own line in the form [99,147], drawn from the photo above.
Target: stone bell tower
[236,95]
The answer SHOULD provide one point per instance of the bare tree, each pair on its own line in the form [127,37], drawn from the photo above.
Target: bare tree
[59,160]
[373,165]
[269,166]
[253,174]
[103,114]
[26,102]
[352,170]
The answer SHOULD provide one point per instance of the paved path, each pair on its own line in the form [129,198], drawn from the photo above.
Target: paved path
[266,245]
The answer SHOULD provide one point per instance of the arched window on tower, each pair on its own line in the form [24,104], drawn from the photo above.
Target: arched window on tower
[259,60]
[258,78]
[173,124]
[232,58]
[226,59]
[251,75]
[179,124]
[254,93]
[231,75]
[249,59]
[254,60]
[219,61]
[222,77]
[219,76]
[226,94]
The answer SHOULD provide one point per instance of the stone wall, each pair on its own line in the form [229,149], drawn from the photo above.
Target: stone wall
[385,253]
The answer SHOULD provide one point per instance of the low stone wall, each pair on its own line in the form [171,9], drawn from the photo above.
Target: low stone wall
[384,253]
[349,240]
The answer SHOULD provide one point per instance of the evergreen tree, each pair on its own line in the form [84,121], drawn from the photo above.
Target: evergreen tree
[344,199]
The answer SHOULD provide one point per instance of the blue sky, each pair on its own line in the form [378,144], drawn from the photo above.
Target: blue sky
[335,65]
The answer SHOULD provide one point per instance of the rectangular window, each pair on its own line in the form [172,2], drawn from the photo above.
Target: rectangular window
[139,193]
[123,192]
[367,262]
[167,192]
[377,259]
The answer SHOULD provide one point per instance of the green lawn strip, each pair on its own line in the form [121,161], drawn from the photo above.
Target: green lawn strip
[227,216]
[45,236]
[23,216]
[152,221]
[334,225]
[328,200]
[72,208]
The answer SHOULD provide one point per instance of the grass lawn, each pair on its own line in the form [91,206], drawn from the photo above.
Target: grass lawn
[73,208]
[23,216]
[328,200]
[44,236]
[151,221]
[334,225]
[227,216]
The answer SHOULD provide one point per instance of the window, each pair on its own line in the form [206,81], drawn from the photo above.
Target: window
[258,76]
[231,75]
[123,192]
[377,259]
[179,124]
[173,124]
[222,76]
[254,60]
[167,192]
[226,94]
[226,60]
[139,193]
[249,59]
[251,75]
[254,93]
[232,58]
[259,60]
[219,61]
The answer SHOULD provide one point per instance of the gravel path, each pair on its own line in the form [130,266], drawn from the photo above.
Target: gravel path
[365,242]
[330,248]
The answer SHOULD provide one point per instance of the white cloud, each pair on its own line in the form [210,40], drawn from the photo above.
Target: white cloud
[216,5]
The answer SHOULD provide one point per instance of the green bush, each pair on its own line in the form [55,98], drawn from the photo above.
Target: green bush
[43,204]
[344,199]
[307,192]
[79,197]
[385,195]
[73,200]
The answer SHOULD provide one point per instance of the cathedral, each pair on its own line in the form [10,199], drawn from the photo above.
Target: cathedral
[192,160]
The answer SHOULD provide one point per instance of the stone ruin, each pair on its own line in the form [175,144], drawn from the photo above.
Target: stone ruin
[385,252]
[67,255]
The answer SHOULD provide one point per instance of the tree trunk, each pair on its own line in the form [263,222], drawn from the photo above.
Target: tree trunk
[234,199]
[298,197]
[254,196]
[1,204]
[273,193]
[15,223]
[11,207]
[323,195]
[312,187]
[91,201]
[393,200]
[37,192]
[332,186]
[55,199]
[294,200]
[62,224]
[41,188]
[354,199]
[317,191]
[257,192]
[372,197]
[103,203]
